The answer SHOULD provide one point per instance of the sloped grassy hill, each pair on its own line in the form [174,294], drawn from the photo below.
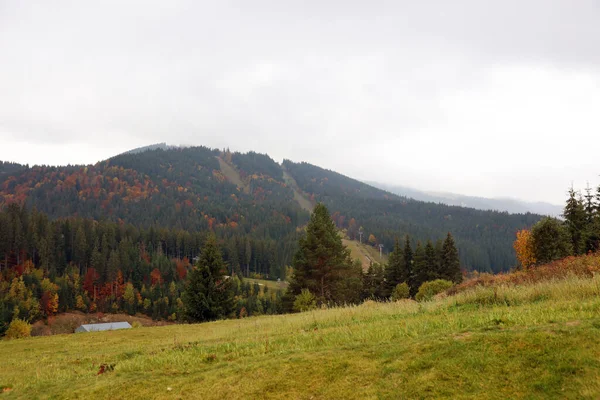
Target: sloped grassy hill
[492,339]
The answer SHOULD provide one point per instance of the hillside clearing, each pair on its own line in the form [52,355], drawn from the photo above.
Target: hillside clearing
[302,200]
[232,175]
[364,253]
[537,341]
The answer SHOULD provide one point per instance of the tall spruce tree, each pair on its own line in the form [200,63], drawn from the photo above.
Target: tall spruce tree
[375,284]
[394,273]
[432,266]
[450,261]
[408,273]
[420,274]
[208,295]
[592,231]
[575,218]
[597,203]
[323,265]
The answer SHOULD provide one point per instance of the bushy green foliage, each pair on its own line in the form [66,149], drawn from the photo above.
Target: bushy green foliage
[429,289]
[401,291]
[305,301]
[18,329]
[551,240]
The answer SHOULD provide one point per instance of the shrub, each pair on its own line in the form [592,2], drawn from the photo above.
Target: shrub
[429,289]
[305,301]
[401,291]
[18,329]
[136,324]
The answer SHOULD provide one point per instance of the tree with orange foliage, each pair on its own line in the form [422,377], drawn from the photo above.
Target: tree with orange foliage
[156,277]
[524,248]
[372,239]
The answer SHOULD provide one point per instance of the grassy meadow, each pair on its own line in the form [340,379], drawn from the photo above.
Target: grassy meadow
[540,340]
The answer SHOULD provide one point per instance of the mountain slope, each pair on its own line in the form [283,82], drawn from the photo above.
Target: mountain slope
[484,238]
[240,196]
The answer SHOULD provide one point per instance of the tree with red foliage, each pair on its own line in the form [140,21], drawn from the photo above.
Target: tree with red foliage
[90,282]
[156,277]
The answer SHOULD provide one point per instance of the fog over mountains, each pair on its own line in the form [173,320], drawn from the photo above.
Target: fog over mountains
[510,205]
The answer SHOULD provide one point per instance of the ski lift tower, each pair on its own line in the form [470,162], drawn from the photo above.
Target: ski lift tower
[380,251]
[360,233]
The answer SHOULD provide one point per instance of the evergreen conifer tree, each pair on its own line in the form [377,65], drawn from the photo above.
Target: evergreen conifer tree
[575,218]
[394,273]
[323,265]
[431,262]
[420,274]
[208,295]
[450,261]
[592,225]
[374,283]
[407,274]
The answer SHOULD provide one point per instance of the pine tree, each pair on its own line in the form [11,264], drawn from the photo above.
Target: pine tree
[208,295]
[374,283]
[322,263]
[113,267]
[80,249]
[407,274]
[431,262]
[575,218]
[589,205]
[97,262]
[592,231]
[450,261]
[420,274]
[395,269]
[597,203]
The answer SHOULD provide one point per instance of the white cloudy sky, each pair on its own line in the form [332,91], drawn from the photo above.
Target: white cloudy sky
[483,98]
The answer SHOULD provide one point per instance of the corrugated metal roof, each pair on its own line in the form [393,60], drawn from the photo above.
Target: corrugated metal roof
[110,326]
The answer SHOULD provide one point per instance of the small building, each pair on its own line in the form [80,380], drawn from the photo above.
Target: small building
[110,326]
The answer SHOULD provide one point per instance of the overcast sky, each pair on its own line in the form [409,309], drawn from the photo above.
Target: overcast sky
[471,97]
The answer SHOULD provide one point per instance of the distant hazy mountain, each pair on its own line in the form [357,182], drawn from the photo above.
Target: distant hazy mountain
[513,206]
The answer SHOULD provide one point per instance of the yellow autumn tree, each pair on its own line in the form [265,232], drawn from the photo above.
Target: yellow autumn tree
[524,248]
[372,239]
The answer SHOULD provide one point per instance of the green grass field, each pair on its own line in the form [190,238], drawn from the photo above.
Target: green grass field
[272,285]
[537,341]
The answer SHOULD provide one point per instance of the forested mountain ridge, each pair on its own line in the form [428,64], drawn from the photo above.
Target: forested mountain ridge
[10,168]
[484,238]
[182,189]
[188,189]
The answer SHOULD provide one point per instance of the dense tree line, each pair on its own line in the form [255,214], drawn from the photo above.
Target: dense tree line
[185,188]
[181,189]
[484,238]
[552,239]
[49,266]
[324,273]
